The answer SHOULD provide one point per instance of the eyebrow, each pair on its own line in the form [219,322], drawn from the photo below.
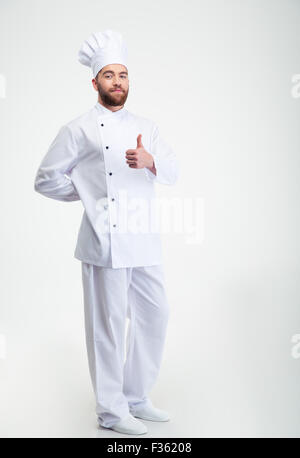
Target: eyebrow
[110,71]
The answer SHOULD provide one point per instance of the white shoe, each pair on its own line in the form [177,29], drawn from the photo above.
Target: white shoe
[129,425]
[151,413]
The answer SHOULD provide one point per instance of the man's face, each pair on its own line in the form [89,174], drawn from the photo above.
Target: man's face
[112,84]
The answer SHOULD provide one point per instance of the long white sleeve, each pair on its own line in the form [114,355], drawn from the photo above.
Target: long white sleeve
[165,160]
[51,179]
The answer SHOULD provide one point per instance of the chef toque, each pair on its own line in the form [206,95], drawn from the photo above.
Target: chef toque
[103,48]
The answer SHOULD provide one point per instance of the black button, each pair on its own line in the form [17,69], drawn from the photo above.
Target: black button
[112,199]
[114,225]
[110,173]
[106,147]
[102,124]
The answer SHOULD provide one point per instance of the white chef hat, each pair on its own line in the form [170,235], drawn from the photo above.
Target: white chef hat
[103,48]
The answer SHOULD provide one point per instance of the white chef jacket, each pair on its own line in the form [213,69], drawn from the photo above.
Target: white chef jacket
[86,161]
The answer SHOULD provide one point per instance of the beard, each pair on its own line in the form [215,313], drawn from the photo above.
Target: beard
[113,99]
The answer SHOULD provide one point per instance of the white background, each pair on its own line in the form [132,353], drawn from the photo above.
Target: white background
[216,76]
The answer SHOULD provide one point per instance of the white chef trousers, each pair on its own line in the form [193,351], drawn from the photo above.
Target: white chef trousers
[110,295]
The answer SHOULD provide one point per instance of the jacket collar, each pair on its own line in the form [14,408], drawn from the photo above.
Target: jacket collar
[103,111]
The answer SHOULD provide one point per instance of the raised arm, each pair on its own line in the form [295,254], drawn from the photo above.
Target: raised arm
[51,179]
[165,161]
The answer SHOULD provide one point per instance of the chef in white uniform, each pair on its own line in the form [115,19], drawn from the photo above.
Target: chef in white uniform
[110,159]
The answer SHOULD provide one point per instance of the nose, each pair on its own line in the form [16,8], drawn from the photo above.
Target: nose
[117,81]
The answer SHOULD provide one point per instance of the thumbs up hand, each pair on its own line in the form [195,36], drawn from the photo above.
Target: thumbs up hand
[139,158]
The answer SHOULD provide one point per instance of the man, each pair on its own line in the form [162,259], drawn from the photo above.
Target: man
[110,159]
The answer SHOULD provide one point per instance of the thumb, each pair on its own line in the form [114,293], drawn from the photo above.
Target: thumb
[139,141]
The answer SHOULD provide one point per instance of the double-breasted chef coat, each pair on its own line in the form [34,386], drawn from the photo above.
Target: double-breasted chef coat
[86,161]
